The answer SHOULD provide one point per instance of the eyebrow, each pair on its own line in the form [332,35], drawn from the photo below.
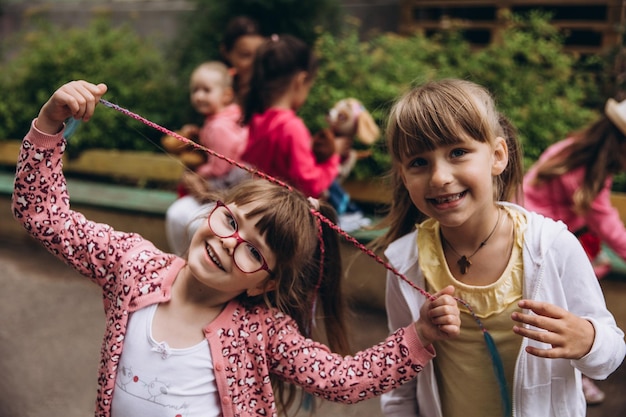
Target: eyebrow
[259,244]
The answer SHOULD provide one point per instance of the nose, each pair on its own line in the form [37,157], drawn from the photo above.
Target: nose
[440,174]
[229,243]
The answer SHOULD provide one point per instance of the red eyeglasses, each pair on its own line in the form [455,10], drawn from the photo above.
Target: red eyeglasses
[247,257]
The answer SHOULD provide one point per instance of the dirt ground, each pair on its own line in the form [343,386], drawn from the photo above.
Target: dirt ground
[51,325]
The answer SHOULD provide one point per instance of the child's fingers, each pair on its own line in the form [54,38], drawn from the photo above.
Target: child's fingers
[567,335]
[443,303]
[444,312]
[443,297]
[450,330]
[534,320]
[553,342]
[76,99]
[446,318]
[81,98]
[538,335]
[449,290]
[543,309]
[440,317]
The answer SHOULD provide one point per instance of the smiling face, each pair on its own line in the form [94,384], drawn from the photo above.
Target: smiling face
[453,183]
[211,258]
[209,92]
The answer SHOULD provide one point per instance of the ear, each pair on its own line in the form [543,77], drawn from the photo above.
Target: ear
[367,131]
[500,156]
[301,78]
[229,96]
[263,287]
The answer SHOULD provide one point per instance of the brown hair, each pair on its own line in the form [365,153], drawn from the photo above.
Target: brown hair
[277,61]
[598,149]
[301,278]
[238,27]
[440,113]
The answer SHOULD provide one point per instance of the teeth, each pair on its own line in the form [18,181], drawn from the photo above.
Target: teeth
[213,257]
[448,199]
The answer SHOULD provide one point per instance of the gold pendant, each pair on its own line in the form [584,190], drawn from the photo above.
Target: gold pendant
[464,263]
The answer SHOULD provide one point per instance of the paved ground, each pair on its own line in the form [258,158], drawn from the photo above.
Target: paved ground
[51,326]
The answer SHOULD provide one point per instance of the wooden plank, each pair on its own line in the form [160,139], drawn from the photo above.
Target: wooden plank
[108,196]
[375,191]
[119,197]
[618,200]
[607,27]
[133,165]
[9,151]
[507,3]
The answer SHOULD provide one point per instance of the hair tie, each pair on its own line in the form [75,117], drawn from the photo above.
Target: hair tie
[315,203]
[274,37]
[320,278]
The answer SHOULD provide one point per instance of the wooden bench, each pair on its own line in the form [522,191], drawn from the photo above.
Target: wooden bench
[110,170]
[133,208]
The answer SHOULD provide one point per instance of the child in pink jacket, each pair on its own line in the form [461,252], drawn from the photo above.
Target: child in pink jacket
[212,95]
[227,330]
[279,143]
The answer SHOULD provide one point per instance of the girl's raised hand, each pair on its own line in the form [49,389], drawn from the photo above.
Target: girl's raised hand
[75,99]
[440,318]
[570,336]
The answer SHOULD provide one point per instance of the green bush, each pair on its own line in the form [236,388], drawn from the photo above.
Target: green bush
[530,75]
[375,72]
[135,72]
[534,82]
[205,25]
[542,89]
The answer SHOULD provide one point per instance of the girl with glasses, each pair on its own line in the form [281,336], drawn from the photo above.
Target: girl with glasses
[229,330]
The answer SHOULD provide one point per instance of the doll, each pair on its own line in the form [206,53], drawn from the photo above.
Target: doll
[349,121]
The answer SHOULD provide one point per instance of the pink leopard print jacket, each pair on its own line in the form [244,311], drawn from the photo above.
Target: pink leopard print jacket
[246,344]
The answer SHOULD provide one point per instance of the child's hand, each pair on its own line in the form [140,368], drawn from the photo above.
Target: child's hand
[439,318]
[75,99]
[323,145]
[190,131]
[571,337]
[343,145]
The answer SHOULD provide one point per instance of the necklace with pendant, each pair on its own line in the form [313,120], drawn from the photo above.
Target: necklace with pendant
[464,261]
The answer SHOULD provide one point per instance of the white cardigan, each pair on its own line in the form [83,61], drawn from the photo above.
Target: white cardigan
[557,271]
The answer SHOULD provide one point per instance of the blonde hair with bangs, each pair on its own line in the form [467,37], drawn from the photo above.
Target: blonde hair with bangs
[441,113]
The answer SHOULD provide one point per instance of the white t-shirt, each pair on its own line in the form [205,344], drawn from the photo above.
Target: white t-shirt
[158,381]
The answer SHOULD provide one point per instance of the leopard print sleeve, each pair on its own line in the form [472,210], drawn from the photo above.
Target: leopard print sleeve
[348,379]
[41,204]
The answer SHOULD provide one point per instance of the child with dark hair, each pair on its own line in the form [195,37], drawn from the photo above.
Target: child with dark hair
[241,39]
[279,143]
[226,331]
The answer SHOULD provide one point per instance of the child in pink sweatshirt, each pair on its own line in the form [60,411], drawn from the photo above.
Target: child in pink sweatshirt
[226,331]
[212,95]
